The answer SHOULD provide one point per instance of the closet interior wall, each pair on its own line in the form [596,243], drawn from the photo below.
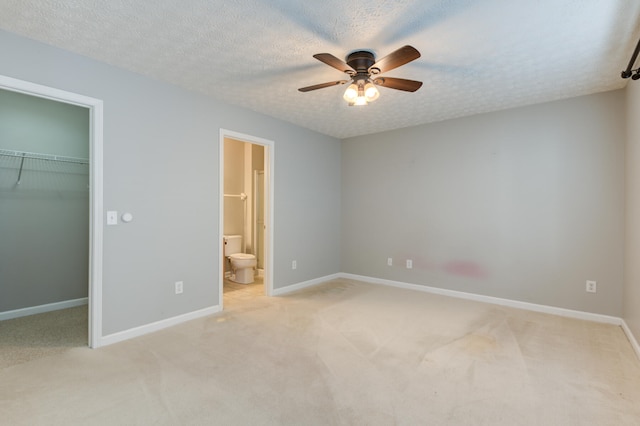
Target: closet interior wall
[44,201]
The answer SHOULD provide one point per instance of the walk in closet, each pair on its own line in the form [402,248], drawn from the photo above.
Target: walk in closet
[44,205]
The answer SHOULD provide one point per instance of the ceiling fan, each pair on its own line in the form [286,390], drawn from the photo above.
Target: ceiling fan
[363,70]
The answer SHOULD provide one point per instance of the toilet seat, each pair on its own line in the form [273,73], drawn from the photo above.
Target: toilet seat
[242,256]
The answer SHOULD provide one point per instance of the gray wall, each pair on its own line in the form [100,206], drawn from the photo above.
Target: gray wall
[44,221]
[32,124]
[524,204]
[631,313]
[160,163]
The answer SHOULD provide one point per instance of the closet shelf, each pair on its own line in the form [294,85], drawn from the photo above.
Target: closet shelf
[47,157]
[21,156]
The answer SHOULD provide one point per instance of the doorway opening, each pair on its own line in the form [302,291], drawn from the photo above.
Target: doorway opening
[246,216]
[95,197]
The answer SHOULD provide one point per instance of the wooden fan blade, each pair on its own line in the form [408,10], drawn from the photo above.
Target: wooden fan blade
[334,62]
[398,83]
[402,56]
[322,85]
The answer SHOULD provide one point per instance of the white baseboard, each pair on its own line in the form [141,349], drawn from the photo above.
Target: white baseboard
[159,325]
[156,326]
[299,286]
[490,299]
[631,337]
[32,310]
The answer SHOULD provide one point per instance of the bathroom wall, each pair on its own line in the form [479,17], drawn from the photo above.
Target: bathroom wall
[257,157]
[524,204]
[44,221]
[233,184]
[161,154]
[257,160]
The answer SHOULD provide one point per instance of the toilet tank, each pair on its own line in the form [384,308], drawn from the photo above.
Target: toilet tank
[232,244]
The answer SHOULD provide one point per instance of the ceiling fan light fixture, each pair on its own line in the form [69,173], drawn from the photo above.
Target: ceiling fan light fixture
[351,93]
[371,92]
[359,101]
[361,93]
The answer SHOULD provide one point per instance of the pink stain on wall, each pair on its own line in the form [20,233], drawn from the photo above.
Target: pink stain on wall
[465,268]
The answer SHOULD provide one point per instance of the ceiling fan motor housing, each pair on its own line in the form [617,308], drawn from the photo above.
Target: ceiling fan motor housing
[361,61]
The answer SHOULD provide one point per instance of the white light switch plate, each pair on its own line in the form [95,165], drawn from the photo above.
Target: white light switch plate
[112,217]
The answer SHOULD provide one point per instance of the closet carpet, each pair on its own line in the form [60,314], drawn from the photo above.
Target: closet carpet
[36,336]
[341,353]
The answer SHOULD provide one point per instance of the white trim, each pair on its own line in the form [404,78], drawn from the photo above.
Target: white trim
[490,299]
[158,325]
[269,163]
[96,226]
[247,240]
[587,316]
[631,337]
[95,107]
[32,310]
[221,258]
[299,286]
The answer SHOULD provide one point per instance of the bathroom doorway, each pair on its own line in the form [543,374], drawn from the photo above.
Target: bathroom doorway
[246,217]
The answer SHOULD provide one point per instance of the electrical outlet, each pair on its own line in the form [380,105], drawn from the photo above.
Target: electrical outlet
[389,261]
[409,263]
[179,287]
[294,264]
[591,287]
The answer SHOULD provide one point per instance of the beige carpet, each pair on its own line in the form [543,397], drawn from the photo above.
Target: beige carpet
[37,336]
[343,353]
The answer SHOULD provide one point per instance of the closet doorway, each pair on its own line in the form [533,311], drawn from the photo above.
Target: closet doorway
[246,214]
[56,182]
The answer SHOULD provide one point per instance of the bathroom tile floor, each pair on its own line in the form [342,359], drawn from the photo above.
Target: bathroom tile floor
[235,292]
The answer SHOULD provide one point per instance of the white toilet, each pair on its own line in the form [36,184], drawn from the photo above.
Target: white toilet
[242,264]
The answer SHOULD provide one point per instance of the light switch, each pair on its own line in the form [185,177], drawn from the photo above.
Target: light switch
[112,218]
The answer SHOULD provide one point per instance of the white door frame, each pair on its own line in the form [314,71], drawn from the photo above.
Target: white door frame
[269,156]
[95,192]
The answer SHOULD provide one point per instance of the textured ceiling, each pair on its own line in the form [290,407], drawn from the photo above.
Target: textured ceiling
[477,55]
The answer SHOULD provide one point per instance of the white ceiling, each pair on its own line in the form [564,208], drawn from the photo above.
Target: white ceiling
[477,55]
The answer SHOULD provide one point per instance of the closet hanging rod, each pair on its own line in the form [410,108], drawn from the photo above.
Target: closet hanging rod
[46,157]
[20,172]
